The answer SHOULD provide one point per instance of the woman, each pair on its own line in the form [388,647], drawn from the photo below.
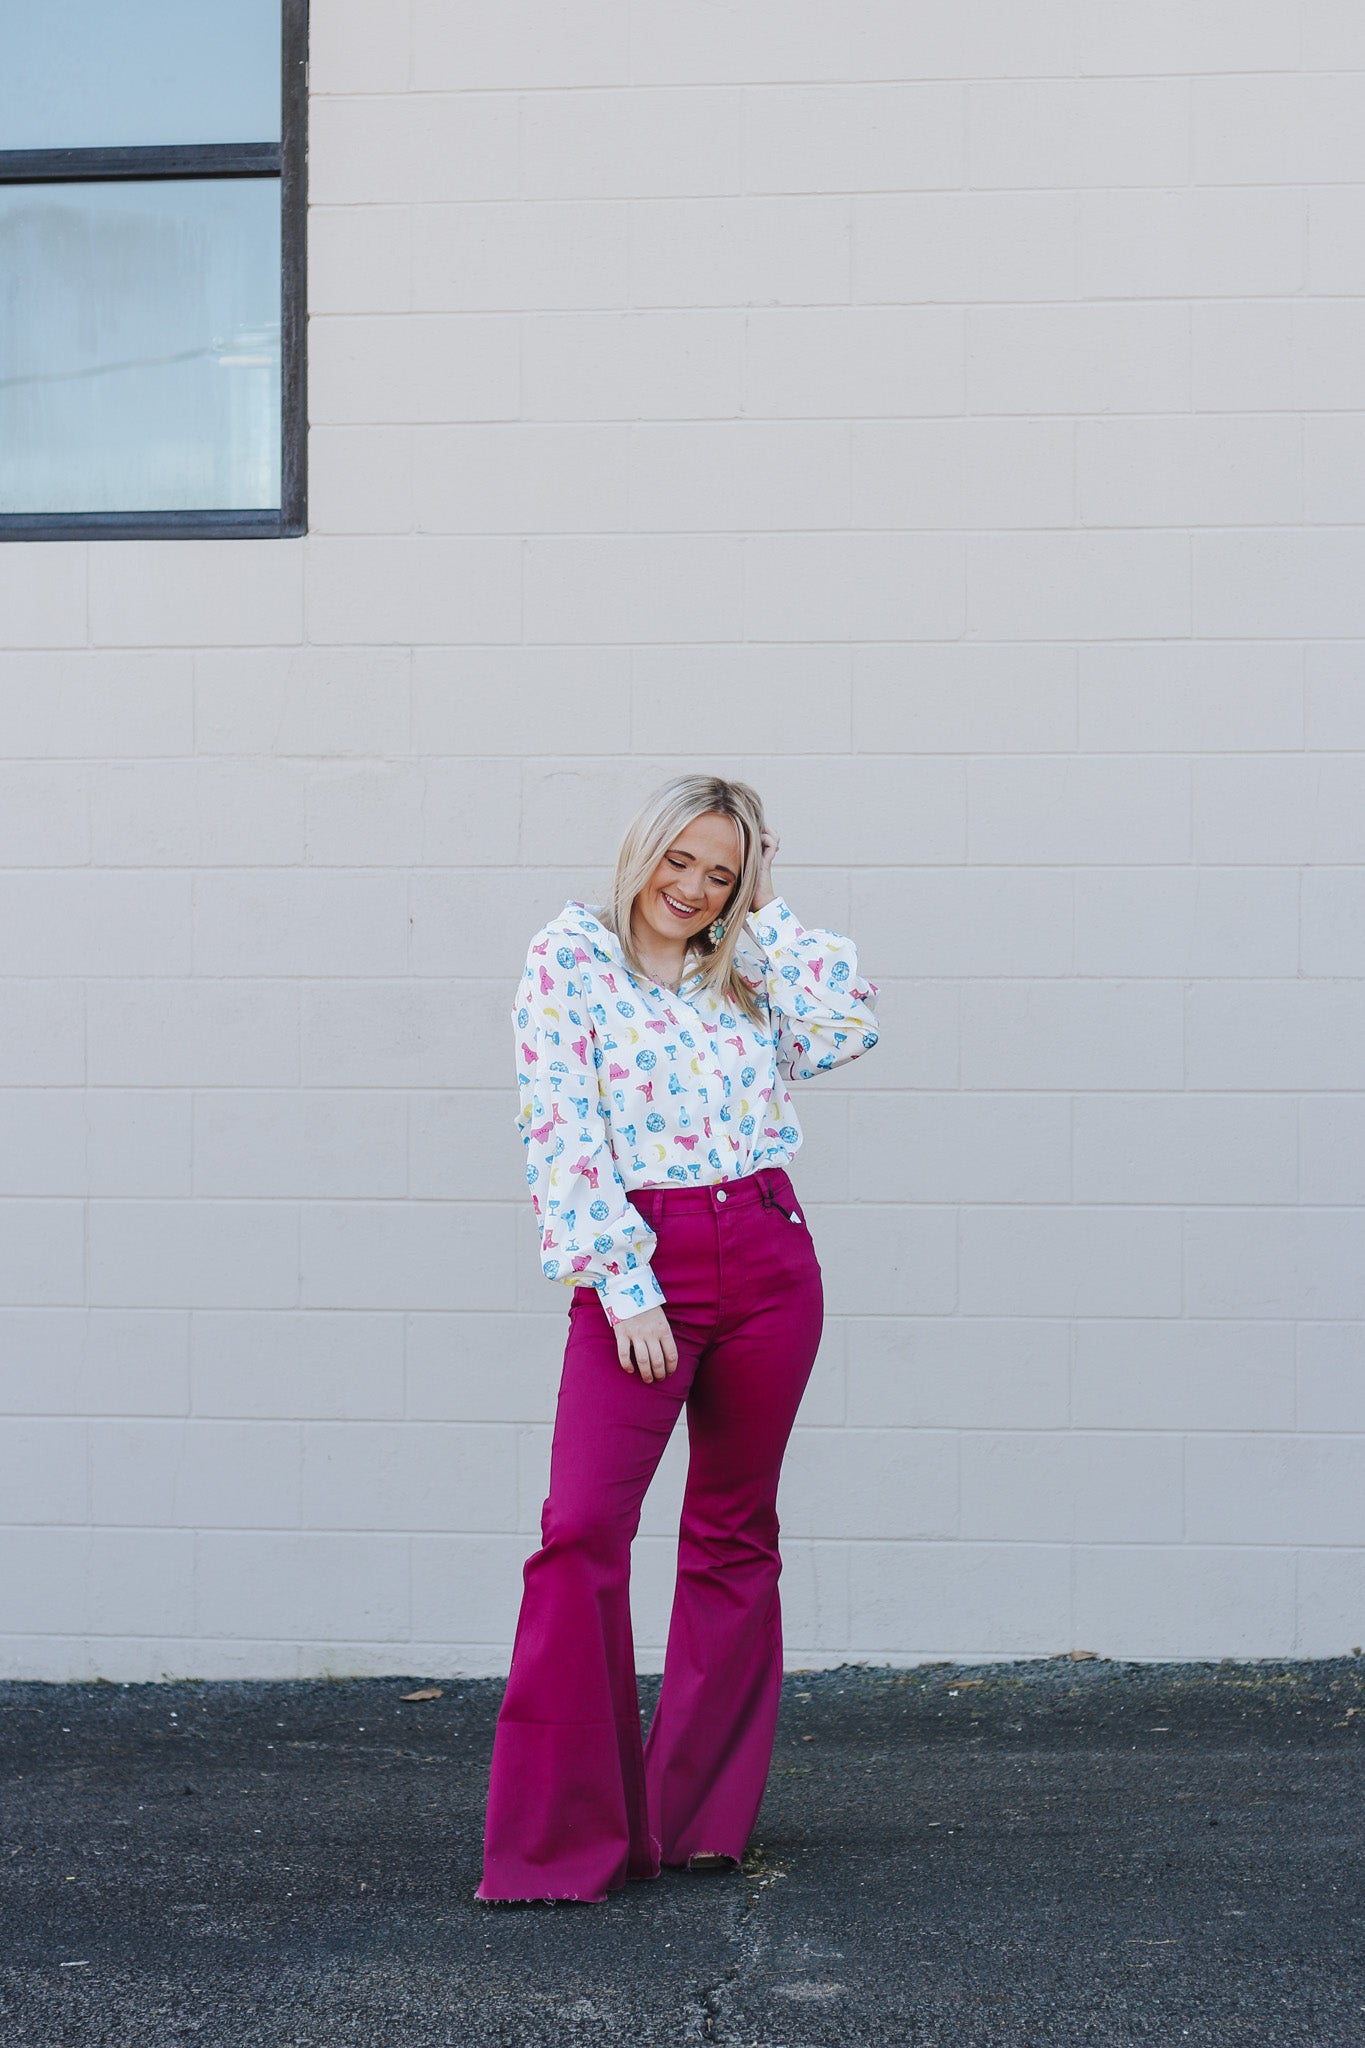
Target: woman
[655,1037]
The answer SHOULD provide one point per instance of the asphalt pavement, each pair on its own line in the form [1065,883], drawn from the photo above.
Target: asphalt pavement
[1009,1856]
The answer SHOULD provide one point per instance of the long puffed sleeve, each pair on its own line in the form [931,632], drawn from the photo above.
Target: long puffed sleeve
[822,1008]
[588,1227]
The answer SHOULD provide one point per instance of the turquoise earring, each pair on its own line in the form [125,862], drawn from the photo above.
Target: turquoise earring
[716,932]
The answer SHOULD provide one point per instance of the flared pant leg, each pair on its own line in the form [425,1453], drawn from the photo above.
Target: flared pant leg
[710,1742]
[567,1814]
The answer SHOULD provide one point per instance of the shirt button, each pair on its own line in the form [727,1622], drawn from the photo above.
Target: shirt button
[720,1194]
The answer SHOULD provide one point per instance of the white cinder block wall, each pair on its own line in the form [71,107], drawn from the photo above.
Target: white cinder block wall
[951,419]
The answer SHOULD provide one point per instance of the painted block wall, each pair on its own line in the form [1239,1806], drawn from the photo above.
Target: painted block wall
[951,419]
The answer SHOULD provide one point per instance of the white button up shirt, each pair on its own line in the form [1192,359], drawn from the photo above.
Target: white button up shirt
[626,1084]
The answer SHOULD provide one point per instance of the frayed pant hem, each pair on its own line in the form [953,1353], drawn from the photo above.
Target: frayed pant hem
[541,1898]
[564,1898]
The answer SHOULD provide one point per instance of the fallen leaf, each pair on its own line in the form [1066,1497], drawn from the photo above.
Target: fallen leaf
[425,1692]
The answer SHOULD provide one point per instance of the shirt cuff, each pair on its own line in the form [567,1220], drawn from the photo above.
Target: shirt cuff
[775,913]
[629,1294]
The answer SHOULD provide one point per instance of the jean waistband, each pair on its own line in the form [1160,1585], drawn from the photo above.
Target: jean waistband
[770,1185]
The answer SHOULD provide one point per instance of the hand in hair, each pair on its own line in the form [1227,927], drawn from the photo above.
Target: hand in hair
[764,891]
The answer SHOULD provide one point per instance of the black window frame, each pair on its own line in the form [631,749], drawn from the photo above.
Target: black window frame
[285,161]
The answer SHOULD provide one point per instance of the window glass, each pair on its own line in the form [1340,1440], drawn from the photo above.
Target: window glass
[140,345]
[88,74]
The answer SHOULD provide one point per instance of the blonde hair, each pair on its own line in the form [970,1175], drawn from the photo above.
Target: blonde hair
[647,838]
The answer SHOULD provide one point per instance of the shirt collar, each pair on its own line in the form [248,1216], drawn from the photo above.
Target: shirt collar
[589,919]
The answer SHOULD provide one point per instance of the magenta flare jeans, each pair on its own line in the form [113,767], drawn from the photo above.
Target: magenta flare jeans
[577,1803]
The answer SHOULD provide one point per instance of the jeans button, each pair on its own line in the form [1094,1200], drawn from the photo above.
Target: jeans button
[720,1194]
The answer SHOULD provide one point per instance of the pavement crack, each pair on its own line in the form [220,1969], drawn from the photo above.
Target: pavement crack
[760,1874]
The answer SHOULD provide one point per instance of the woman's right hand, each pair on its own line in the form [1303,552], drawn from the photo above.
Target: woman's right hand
[646,1345]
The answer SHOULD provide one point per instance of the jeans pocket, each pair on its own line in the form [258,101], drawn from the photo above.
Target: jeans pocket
[792,1242]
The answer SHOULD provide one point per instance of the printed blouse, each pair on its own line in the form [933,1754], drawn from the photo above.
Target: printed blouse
[626,1084]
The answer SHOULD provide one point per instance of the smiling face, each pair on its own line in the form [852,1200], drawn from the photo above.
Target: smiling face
[692,883]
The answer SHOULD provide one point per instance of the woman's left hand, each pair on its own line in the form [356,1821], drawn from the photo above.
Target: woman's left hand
[764,891]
